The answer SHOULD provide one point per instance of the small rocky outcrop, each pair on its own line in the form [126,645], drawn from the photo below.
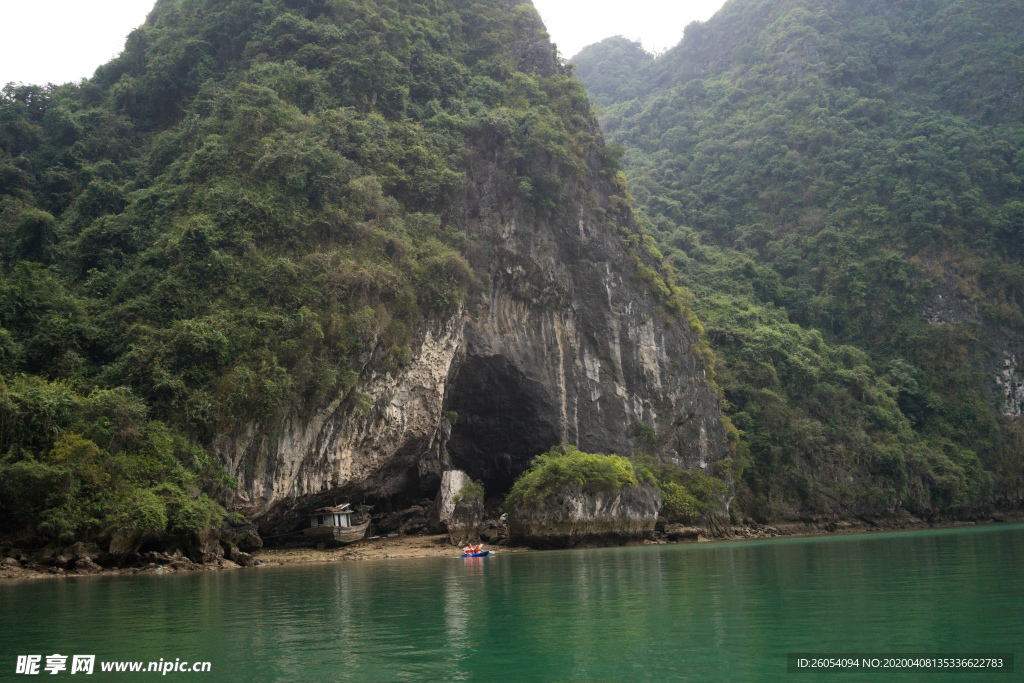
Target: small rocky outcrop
[441,512]
[495,531]
[128,548]
[126,542]
[84,551]
[575,518]
[243,559]
[414,520]
[466,522]
[462,520]
[202,546]
[411,520]
[50,555]
[239,537]
[680,532]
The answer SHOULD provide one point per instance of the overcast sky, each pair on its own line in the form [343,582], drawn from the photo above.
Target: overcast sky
[658,24]
[56,41]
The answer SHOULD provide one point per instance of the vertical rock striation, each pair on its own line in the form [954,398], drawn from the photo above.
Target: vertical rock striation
[570,347]
[441,513]
[563,342]
[394,445]
[574,518]
[566,346]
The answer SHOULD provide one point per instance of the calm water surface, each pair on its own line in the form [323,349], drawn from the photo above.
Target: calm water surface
[699,612]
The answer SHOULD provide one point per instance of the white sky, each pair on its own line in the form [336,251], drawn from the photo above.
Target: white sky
[56,41]
[658,24]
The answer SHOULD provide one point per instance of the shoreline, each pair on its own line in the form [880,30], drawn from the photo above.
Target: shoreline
[436,545]
[845,527]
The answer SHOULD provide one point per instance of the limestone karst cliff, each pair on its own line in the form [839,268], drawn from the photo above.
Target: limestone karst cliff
[564,344]
[332,248]
[853,235]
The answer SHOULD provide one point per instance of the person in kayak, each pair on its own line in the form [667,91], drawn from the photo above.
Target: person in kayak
[471,549]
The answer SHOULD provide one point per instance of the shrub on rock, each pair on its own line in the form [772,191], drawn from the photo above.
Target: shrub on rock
[569,498]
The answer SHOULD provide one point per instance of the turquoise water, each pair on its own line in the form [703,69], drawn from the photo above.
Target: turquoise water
[696,612]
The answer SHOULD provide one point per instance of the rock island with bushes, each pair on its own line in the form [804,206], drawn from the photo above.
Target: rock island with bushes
[569,498]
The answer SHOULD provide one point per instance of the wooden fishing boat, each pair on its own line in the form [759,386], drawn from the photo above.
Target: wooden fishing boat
[345,534]
[334,523]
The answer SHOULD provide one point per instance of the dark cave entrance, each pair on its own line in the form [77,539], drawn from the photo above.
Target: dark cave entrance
[504,421]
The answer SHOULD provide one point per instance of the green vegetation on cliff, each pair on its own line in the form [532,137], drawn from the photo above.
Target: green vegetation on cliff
[74,466]
[819,173]
[689,497]
[471,491]
[566,466]
[611,69]
[257,201]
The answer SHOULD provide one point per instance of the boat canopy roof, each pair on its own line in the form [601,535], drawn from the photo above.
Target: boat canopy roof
[333,510]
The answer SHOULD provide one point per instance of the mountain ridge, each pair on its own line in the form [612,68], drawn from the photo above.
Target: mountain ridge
[251,260]
[839,185]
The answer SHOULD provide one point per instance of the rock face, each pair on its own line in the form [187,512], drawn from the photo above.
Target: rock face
[407,521]
[235,537]
[574,518]
[202,546]
[570,348]
[395,446]
[563,343]
[441,512]
[1003,357]
[462,520]
[567,347]
[494,530]
[466,522]
[1010,382]
[679,532]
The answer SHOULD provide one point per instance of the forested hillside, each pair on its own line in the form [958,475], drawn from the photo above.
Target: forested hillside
[612,70]
[261,203]
[839,185]
[257,201]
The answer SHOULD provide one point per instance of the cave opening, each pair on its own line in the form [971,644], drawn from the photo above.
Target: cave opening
[503,420]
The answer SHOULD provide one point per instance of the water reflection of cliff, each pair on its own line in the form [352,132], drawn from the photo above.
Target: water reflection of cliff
[700,612]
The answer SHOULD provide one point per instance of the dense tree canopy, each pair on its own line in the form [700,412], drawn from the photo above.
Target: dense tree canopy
[254,202]
[260,199]
[612,69]
[818,171]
